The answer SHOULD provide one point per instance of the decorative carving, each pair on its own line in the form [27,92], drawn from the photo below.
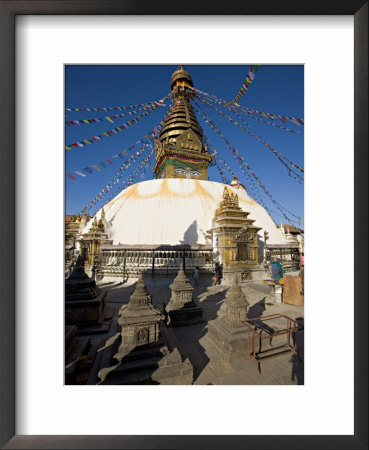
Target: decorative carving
[94,225]
[246,235]
[188,140]
[142,336]
[229,199]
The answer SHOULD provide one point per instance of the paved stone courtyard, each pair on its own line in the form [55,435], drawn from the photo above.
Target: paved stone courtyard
[207,359]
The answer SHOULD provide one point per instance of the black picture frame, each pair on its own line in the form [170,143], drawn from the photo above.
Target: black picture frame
[8,12]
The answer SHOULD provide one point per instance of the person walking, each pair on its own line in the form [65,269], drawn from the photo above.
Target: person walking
[196,275]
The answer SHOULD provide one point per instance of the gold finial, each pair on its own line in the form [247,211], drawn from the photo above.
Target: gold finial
[103,213]
[181,78]
[100,225]
[226,194]
[229,198]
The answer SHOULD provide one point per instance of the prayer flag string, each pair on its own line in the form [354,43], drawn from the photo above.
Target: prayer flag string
[272,116]
[254,193]
[109,133]
[246,84]
[279,155]
[118,108]
[116,179]
[234,110]
[122,155]
[110,119]
[123,168]
[221,172]
[242,162]
[296,120]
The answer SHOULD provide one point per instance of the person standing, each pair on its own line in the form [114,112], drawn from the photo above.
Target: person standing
[302,272]
[277,270]
[217,274]
[196,275]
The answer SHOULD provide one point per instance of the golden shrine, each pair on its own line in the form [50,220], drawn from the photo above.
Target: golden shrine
[235,238]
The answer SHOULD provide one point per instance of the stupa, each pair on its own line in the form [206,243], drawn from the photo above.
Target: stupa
[156,225]
[84,301]
[146,351]
[227,331]
[181,308]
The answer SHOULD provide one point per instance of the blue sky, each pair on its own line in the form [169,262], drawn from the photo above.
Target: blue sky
[276,89]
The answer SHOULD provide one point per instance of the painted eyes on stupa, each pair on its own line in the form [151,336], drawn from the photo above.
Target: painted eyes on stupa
[193,173]
[181,171]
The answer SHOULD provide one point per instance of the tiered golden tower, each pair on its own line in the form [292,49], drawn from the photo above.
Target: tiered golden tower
[180,151]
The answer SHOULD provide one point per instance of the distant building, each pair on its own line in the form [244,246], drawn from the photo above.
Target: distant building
[292,235]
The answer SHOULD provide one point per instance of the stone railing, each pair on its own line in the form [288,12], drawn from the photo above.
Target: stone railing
[130,262]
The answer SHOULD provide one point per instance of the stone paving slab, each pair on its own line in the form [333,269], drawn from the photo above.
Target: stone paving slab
[207,359]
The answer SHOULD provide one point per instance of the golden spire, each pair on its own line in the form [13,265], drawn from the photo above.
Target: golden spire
[180,150]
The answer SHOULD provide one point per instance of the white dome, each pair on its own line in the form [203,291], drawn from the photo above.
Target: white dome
[174,211]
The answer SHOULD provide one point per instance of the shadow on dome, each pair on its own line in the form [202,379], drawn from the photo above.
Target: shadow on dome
[190,235]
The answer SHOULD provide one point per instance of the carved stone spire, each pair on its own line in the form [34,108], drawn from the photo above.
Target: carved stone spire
[139,320]
[84,301]
[181,291]
[79,285]
[181,281]
[147,351]
[236,304]
[227,331]
[140,296]
[181,308]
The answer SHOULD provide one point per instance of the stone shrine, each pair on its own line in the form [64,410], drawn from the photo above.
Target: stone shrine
[181,308]
[84,301]
[227,331]
[139,320]
[75,348]
[235,240]
[146,352]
